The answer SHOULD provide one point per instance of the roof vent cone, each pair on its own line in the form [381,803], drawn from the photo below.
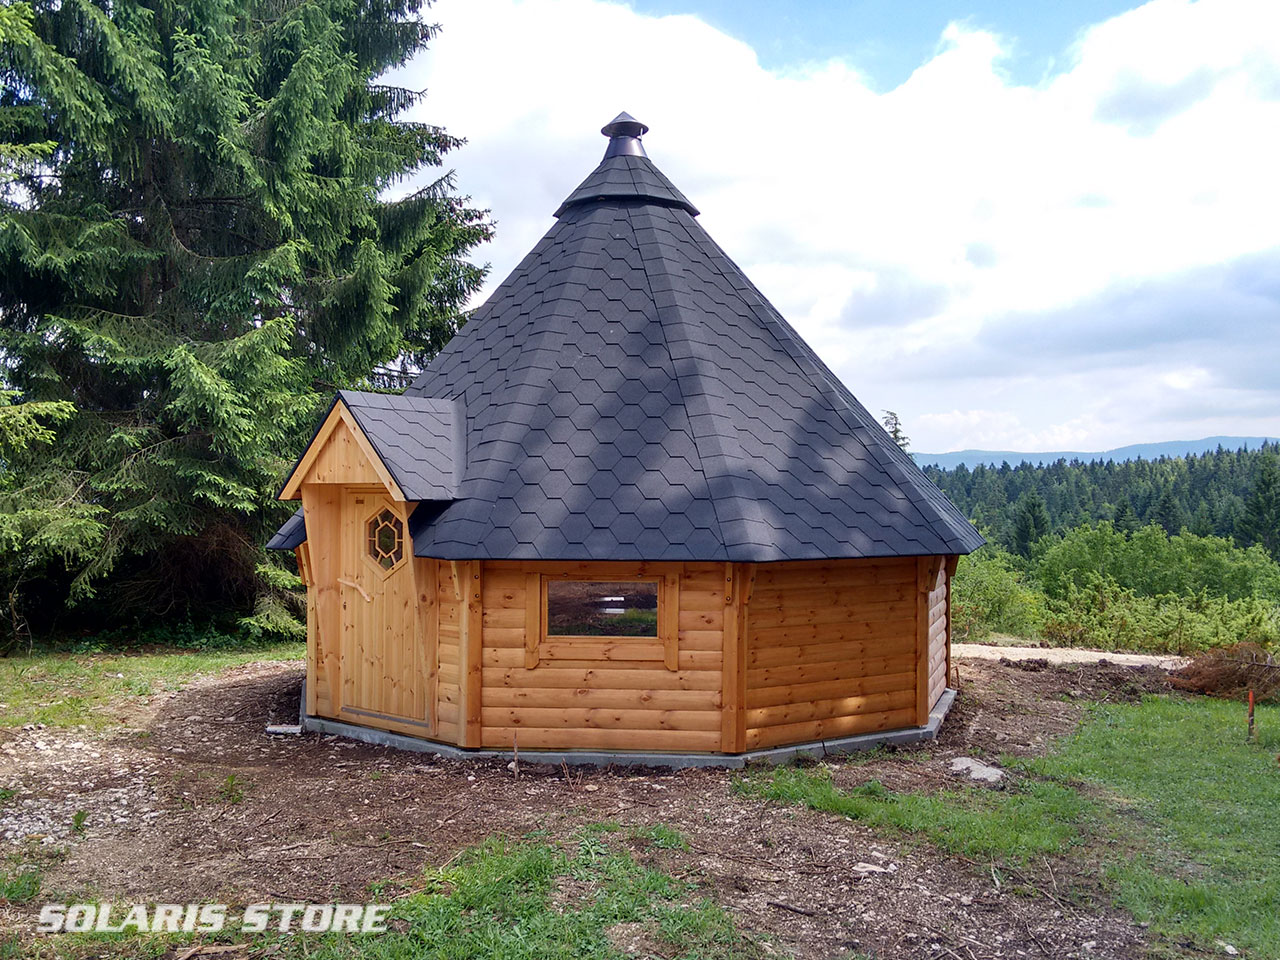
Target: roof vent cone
[624,132]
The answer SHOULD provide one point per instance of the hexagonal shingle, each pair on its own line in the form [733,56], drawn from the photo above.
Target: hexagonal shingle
[626,393]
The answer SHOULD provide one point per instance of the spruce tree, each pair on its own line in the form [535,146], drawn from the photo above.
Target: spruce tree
[1168,513]
[1124,519]
[1260,522]
[893,426]
[1030,523]
[196,248]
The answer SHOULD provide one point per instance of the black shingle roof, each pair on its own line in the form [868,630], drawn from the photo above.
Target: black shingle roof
[418,438]
[629,395]
[291,534]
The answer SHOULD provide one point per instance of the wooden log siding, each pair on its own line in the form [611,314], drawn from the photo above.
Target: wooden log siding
[596,702]
[830,650]
[813,650]
[450,604]
[939,634]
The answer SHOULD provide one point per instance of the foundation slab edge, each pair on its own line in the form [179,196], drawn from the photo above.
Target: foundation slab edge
[816,749]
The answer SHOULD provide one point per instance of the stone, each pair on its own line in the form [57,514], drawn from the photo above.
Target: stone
[976,770]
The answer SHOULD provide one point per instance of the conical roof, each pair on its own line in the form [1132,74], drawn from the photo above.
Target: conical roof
[630,395]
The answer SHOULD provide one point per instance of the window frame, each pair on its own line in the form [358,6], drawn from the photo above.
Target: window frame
[385,506]
[662,649]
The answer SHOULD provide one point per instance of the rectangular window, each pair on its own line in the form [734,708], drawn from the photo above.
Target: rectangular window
[602,608]
[634,616]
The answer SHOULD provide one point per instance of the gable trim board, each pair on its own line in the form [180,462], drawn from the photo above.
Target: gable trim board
[338,416]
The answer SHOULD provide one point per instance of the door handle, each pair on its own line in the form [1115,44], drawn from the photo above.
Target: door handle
[352,583]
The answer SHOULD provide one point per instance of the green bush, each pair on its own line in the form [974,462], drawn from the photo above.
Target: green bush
[1151,563]
[989,595]
[1106,615]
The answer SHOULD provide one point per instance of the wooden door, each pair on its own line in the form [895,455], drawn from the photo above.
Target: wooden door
[384,676]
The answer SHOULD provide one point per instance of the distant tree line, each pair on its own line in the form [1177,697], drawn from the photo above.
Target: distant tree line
[1178,554]
[1224,493]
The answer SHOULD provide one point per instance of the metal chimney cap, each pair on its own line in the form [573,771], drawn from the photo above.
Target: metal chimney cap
[624,125]
[624,132]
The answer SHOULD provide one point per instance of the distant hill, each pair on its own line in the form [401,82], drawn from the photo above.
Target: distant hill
[1135,451]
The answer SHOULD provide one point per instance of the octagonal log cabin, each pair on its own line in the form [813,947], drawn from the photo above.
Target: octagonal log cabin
[626,508]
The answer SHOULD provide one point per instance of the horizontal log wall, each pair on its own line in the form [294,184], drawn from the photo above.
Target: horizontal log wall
[830,650]
[938,606]
[597,703]
[449,640]
[820,649]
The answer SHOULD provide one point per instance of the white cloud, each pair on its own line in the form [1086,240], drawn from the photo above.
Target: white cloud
[896,229]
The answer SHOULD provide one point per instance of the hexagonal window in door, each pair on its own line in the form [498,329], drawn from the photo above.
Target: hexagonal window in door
[386,539]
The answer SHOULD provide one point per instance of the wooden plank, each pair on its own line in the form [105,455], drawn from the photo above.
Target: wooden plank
[760,737]
[927,569]
[599,677]
[669,620]
[734,672]
[340,453]
[828,651]
[835,573]
[850,686]
[786,713]
[819,615]
[952,563]
[791,673]
[600,718]
[608,649]
[321,507]
[804,595]
[746,590]
[472,647]
[763,638]
[559,698]
[534,612]
[392,724]
[688,660]
[560,738]
[429,631]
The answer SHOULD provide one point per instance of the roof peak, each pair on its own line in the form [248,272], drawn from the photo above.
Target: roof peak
[624,132]
[626,172]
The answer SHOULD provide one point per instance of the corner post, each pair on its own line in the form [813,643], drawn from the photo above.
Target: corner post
[471,587]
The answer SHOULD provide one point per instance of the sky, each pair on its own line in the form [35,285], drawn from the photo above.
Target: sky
[1021,226]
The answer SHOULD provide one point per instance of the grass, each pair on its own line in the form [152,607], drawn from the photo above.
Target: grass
[20,879]
[510,899]
[69,690]
[535,899]
[1033,818]
[232,789]
[1169,785]
[1204,802]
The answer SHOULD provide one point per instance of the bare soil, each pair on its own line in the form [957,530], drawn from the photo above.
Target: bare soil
[195,802]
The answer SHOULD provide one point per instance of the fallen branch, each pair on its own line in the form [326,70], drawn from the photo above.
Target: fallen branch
[209,950]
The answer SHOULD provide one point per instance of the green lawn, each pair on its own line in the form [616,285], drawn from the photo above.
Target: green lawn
[530,898]
[1201,805]
[67,690]
[1035,818]
[1187,808]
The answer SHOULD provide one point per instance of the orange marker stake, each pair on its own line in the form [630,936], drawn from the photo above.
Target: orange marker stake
[1250,737]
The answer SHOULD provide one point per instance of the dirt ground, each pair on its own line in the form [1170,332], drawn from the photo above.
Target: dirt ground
[317,819]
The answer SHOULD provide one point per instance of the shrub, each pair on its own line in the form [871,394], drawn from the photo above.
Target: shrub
[1104,614]
[1151,563]
[989,595]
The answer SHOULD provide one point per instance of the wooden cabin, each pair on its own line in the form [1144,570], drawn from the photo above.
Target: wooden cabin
[626,508]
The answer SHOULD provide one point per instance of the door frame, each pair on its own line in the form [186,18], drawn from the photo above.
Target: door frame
[362,580]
